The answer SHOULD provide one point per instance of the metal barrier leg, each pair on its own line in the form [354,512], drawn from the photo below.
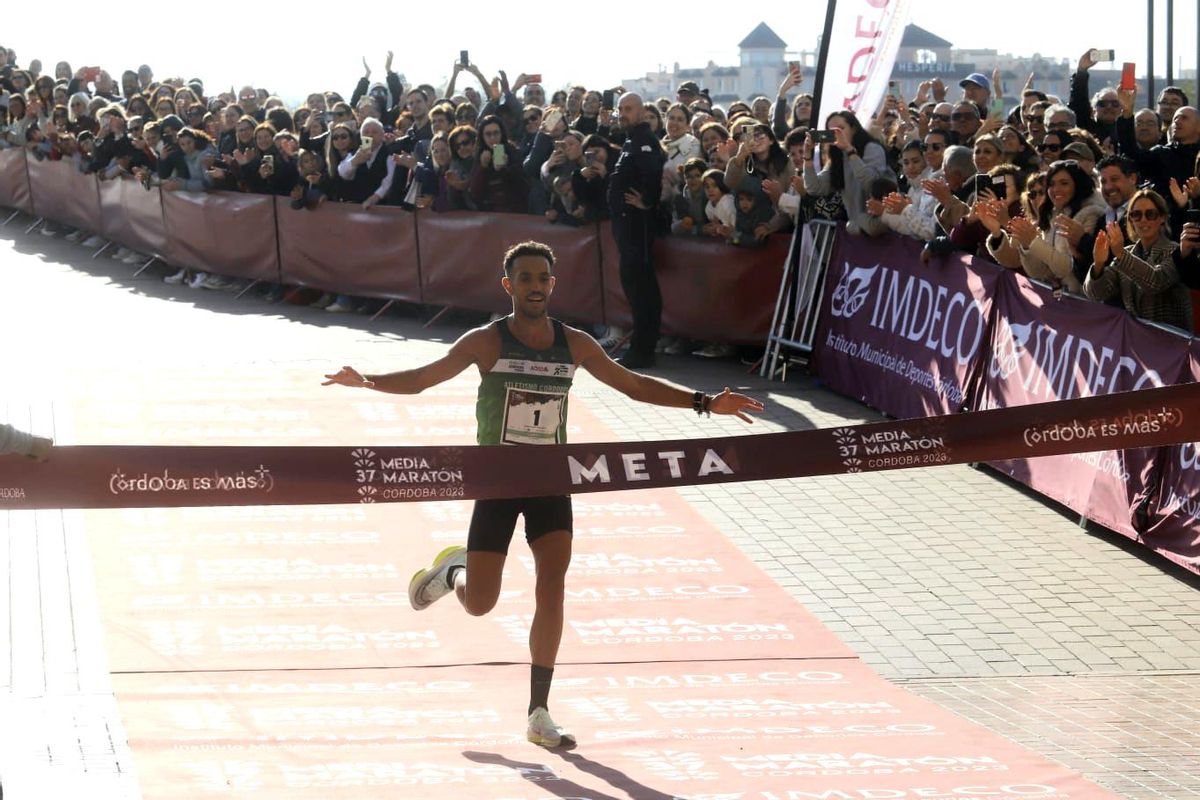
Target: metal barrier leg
[35,224]
[11,217]
[145,266]
[248,287]
[97,254]
[386,306]
[437,316]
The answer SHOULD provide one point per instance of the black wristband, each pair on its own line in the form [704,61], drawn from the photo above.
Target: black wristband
[698,402]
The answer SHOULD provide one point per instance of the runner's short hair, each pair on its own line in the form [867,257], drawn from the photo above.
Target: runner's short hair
[527,249]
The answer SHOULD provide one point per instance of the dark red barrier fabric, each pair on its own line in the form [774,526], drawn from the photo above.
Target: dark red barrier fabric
[14,181]
[139,477]
[1045,349]
[132,216]
[1174,530]
[462,254]
[712,291]
[900,335]
[226,232]
[339,247]
[64,194]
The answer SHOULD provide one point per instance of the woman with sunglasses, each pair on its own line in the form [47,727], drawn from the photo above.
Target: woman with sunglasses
[1045,253]
[1143,274]
[462,164]
[1052,145]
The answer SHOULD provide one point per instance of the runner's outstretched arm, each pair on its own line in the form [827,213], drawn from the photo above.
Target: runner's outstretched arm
[461,355]
[653,390]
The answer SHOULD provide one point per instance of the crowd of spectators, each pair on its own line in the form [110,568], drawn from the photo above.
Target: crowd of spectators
[1092,195]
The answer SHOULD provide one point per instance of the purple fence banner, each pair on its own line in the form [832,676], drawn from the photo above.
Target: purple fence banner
[1047,348]
[903,336]
[1174,530]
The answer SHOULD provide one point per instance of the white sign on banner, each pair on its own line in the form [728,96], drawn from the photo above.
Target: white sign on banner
[863,43]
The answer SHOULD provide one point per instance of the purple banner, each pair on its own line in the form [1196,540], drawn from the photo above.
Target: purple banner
[900,335]
[1046,348]
[1174,530]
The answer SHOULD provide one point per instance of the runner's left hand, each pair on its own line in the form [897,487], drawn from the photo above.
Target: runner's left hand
[728,402]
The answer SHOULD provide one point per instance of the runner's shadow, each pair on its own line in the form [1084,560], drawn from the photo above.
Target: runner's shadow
[561,787]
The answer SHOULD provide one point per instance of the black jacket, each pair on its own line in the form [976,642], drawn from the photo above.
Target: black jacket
[640,168]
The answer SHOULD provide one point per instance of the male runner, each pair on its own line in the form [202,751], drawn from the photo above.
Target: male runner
[526,363]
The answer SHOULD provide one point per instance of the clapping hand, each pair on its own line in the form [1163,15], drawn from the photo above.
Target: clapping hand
[895,203]
[1023,231]
[1100,252]
[939,189]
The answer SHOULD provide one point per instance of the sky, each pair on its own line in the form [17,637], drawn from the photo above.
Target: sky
[298,53]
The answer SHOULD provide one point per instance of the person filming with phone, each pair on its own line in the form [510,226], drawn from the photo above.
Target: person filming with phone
[497,181]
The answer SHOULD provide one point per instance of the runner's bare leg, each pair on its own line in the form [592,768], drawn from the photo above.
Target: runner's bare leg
[552,557]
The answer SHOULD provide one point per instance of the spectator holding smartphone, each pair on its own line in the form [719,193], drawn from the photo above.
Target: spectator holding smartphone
[367,173]
[497,182]
[589,183]
[1143,274]
[854,161]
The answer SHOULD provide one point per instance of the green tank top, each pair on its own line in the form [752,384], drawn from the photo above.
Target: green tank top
[523,399]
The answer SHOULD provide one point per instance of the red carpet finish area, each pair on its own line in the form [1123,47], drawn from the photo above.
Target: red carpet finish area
[271,652]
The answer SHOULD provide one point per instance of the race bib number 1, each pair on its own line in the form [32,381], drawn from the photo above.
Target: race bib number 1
[532,417]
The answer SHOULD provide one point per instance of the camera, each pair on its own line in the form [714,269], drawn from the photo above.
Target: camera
[463,58]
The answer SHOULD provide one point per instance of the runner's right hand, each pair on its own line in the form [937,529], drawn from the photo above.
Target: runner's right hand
[349,376]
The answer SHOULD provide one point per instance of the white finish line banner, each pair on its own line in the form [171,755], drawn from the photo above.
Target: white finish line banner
[161,477]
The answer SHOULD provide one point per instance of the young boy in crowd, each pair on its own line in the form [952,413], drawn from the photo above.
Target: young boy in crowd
[753,210]
[688,205]
[309,191]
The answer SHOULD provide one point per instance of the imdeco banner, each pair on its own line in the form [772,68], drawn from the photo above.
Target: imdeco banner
[149,477]
[863,43]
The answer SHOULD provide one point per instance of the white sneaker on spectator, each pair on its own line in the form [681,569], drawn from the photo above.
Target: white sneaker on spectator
[714,350]
[95,240]
[339,308]
[198,280]
[324,301]
[177,278]
[215,282]
[664,342]
[74,236]
[612,337]
[122,253]
[135,257]
[679,347]
[47,230]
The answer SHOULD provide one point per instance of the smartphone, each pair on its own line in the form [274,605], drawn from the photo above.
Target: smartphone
[1128,75]
[606,100]
[1101,55]
[463,58]
[999,187]
[982,182]
[366,143]
[894,89]
[499,155]
[269,160]
[823,137]
[589,158]
[793,66]
[535,78]
[1192,216]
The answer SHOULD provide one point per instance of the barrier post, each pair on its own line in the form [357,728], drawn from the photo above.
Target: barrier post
[794,325]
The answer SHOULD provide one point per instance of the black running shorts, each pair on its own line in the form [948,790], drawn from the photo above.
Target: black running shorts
[493,521]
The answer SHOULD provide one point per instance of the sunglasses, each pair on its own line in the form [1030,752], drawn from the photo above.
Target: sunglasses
[465,143]
[940,117]
[1150,214]
[1108,104]
[532,119]
[1049,148]
[961,116]
[341,113]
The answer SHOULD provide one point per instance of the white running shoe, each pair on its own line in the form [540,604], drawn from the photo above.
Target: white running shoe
[339,308]
[74,236]
[95,240]
[542,730]
[427,585]
[177,278]
[198,280]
